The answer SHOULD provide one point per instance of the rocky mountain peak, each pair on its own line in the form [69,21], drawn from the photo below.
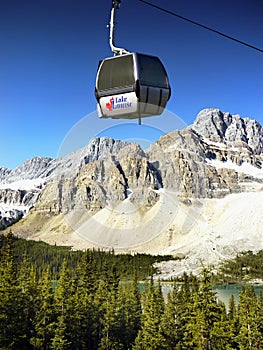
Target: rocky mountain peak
[231,130]
[101,148]
[4,172]
[118,186]
[30,169]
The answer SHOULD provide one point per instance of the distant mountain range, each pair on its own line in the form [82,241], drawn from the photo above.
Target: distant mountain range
[195,193]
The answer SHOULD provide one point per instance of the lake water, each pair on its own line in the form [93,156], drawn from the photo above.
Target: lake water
[223,292]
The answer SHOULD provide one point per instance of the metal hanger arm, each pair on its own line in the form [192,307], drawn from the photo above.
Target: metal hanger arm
[114,49]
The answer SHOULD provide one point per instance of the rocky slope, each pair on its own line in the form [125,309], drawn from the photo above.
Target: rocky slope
[20,188]
[232,130]
[114,194]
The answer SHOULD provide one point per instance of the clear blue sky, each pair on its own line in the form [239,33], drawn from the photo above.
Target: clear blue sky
[49,52]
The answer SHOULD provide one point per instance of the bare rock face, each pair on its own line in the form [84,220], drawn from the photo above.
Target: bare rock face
[18,197]
[4,172]
[48,168]
[180,160]
[9,217]
[14,204]
[102,148]
[112,171]
[107,172]
[101,183]
[231,130]
[31,169]
[54,173]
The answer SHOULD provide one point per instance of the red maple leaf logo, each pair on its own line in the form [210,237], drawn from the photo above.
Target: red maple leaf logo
[109,104]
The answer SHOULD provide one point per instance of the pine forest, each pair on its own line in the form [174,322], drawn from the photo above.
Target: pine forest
[54,298]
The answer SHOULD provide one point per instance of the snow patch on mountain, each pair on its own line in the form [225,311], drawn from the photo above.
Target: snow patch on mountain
[16,199]
[197,194]
[26,185]
[245,167]
[9,214]
[6,209]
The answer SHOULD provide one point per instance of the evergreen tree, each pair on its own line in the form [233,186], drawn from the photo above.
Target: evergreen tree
[205,318]
[63,304]
[88,273]
[260,312]
[100,300]
[85,312]
[233,320]
[169,322]
[150,336]
[181,304]
[61,340]
[44,320]
[133,313]
[113,322]
[250,318]
[12,314]
[112,311]
[27,279]
[84,320]
[222,335]
[232,311]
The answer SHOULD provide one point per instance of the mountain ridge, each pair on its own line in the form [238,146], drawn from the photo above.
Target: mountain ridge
[229,129]
[113,194]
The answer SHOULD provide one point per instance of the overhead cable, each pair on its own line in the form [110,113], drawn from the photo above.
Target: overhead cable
[201,25]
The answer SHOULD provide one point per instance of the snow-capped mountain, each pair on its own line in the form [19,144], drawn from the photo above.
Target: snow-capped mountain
[21,187]
[166,199]
[232,130]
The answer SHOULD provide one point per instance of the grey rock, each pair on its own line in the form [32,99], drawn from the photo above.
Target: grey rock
[31,169]
[4,172]
[9,217]
[108,171]
[19,197]
[231,130]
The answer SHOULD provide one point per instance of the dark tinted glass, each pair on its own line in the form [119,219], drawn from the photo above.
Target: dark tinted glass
[151,71]
[116,72]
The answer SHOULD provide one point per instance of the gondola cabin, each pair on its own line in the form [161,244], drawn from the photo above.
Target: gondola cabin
[130,86]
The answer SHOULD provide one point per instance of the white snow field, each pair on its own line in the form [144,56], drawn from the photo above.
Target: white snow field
[25,184]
